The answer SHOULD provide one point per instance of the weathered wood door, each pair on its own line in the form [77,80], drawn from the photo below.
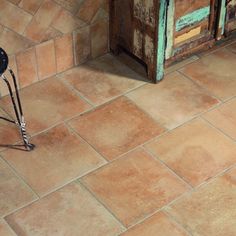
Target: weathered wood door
[133,28]
[191,24]
[230,23]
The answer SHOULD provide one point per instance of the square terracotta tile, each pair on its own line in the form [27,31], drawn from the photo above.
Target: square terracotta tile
[82,42]
[60,156]
[65,22]
[224,118]
[103,79]
[9,133]
[70,5]
[13,42]
[158,225]
[46,59]
[14,193]
[173,101]
[13,17]
[134,186]
[209,211]
[64,52]
[195,151]
[27,67]
[99,38]
[69,211]
[88,10]
[30,6]
[5,230]
[42,20]
[47,103]
[215,72]
[116,128]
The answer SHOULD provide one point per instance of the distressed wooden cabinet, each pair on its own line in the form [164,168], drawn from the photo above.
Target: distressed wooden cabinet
[230,23]
[160,32]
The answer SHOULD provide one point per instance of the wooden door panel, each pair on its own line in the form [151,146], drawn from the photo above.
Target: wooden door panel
[192,25]
[230,17]
[184,7]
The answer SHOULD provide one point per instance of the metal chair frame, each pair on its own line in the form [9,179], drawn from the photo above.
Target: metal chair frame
[16,102]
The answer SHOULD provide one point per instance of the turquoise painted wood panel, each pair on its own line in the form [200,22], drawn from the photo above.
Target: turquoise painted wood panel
[192,18]
[161,40]
[222,16]
[170,28]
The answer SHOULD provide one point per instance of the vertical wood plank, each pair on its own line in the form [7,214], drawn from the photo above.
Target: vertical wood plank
[161,40]
[221,25]
[170,28]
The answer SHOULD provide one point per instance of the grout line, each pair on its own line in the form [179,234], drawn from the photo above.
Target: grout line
[15,172]
[70,181]
[20,208]
[203,88]
[182,196]
[190,60]
[76,92]
[181,178]
[8,226]
[36,64]
[174,220]
[101,202]
[79,136]
[220,131]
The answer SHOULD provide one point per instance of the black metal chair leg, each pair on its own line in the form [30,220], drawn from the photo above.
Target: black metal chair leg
[20,122]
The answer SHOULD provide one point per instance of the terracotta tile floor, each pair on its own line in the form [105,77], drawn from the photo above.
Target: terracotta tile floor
[120,156]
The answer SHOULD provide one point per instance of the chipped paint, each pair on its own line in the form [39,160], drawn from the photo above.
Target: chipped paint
[144,11]
[184,37]
[192,18]
[170,28]
[149,49]
[161,40]
[137,43]
[222,17]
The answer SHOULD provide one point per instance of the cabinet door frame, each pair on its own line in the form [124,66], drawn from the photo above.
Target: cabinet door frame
[192,40]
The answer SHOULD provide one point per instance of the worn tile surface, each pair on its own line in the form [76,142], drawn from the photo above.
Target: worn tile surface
[5,229]
[84,178]
[224,118]
[70,211]
[47,103]
[59,157]
[103,79]
[27,67]
[9,133]
[116,128]
[173,101]
[158,225]
[135,186]
[195,151]
[14,193]
[210,210]
[216,72]
[64,53]
[46,59]
[99,38]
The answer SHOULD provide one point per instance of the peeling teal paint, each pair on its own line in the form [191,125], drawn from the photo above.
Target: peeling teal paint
[222,16]
[170,28]
[161,40]
[192,18]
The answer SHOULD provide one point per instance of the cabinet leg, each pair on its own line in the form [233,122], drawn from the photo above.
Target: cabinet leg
[115,49]
[151,73]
